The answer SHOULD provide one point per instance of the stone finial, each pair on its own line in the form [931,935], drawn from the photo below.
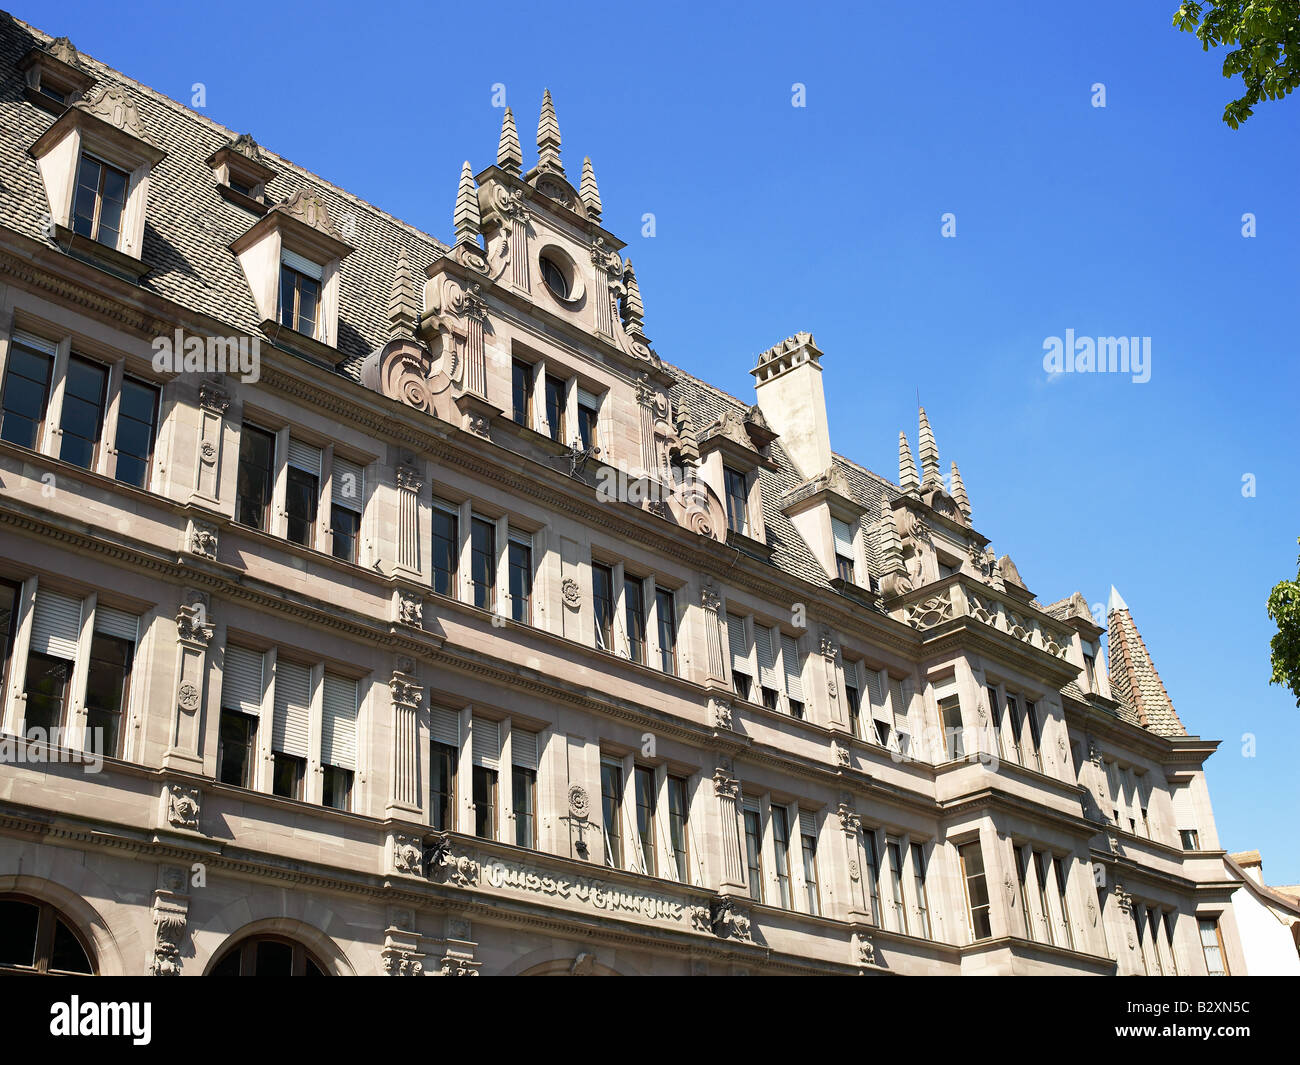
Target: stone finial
[510,156]
[928,452]
[247,147]
[64,51]
[466,218]
[548,137]
[403,306]
[907,479]
[587,191]
[631,309]
[959,492]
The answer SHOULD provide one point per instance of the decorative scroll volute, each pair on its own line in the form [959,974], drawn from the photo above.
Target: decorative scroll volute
[403,370]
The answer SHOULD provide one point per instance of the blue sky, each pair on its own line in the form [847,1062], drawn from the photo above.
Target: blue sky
[770,218]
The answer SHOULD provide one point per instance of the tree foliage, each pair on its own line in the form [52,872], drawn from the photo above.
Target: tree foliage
[1284,608]
[1267,56]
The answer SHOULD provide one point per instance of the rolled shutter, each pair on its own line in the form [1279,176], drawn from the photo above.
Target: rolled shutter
[739,645]
[349,485]
[338,739]
[117,623]
[304,457]
[807,823]
[523,749]
[843,534]
[304,266]
[31,340]
[793,667]
[899,700]
[56,624]
[586,399]
[766,656]
[241,682]
[486,743]
[292,708]
[875,694]
[444,726]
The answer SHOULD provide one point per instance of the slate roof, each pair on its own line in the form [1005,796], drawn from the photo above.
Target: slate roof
[1134,680]
[189,230]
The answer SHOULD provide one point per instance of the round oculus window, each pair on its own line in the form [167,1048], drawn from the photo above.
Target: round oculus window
[555,277]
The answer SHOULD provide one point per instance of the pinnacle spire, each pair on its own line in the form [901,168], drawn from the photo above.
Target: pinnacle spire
[510,156]
[928,452]
[891,547]
[403,306]
[548,136]
[587,191]
[1134,679]
[633,312]
[959,492]
[907,479]
[466,218]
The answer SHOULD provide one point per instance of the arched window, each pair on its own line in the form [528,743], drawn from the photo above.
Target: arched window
[37,940]
[268,956]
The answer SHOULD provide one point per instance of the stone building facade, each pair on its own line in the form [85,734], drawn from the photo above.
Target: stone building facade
[378,604]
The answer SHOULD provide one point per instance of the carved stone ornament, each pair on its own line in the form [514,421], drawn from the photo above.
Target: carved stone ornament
[829,649]
[116,108]
[203,539]
[721,713]
[709,597]
[169,930]
[308,208]
[1092,912]
[849,820]
[408,477]
[193,624]
[183,806]
[841,755]
[1010,886]
[583,965]
[579,803]
[187,697]
[398,962]
[866,950]
[405,693]
[458,965]
[701,919]
[1124,899]
[725,786]
[410,609]
[730,920]
[408,855]
[213,397]
[571,592]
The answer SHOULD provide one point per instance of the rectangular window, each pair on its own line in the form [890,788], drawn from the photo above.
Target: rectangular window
[108,681]
[287,773]
[1013,716]
[781,845]
[894,847]
[873,874]
[302,492]
[1167,922]
[337,787]
[100,201]
[1041,863]
[922,902]
[299,300]
[977,892]
[611,796]
[853,696]
[1062,902]
[485,802]
[1212,946]
[646,805]
[1090,667]
[524,798]
[588,420]
[255,477]
[765,652]
[602,593]
[737,500]
[46,692]
[446,549]
[520,558]
[1022,877]
[483,563]
[443,759]
[1191,839]
[555,408]
[347,502]
[808,842]
[634,618]
[235,739]
[345,532]
[678,812]
[738,641]
[995,710]
[83,412]
[26,395]
[1035,737]
[754,851]
[792,666]
[521,390]
[842,534]
[1153,937]
[137,429]
[950,713]
[666,620]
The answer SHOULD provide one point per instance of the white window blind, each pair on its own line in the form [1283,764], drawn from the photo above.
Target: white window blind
[896,694]
[843,534]
[766,656]
[292,708]
[304,457]
[56,624]
[486,743]
[304,266]
[444,726]
[807,823]
[241,681]
[752,805]
[586,399]
[349,486]
[875,693]
[119,623]
[792,666]
[338,738]
[523,749]
[739,645]
[30,340]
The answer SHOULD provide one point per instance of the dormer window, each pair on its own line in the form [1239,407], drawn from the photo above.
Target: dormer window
[242,174]
[100,201]
[737,495]
[842,532]
[54,78]
[300,284]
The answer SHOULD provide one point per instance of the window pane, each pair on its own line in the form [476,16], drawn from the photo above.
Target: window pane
[442,786]
[346,527]
[136,425]
[83,411]
[521,581]
[555,408]
[446,551]
[274,958]
[611,791]
[18,923]
[483,562]
[302,494]
[254,478]
[67,955]
[26,394]
[47,690]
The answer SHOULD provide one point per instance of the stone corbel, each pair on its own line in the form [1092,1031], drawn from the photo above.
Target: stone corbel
[170,915]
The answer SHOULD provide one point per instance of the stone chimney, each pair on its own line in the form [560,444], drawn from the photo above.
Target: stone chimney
[788,384]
